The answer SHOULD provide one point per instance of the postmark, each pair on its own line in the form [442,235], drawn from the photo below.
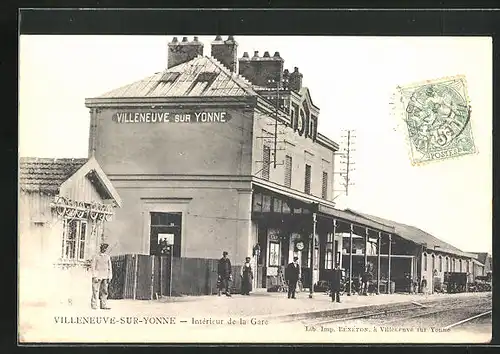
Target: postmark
[437,119]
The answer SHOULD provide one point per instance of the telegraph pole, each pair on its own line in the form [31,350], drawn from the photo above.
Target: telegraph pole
[347,160]
[278,83]
[276,121]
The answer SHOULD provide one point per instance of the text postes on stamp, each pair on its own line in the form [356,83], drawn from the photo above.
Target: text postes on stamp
[437,115]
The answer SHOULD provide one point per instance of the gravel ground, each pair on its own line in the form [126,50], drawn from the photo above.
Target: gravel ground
[432,320]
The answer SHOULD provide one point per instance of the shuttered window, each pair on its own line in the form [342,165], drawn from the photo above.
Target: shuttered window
[266,159]
[324,186]
[288,171]
[307,180]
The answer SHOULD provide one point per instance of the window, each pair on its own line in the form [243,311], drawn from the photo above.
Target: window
[447,265]
[266,203]
[440,263]
[266,160]
[277,205]
[316,257]
[329,251]
[467,269]
[288,171]
[74,239]
[460,265]
[307,180]
[257,202]
[425,262]
[433,259]
[285,207]
[324,185]
[274,254]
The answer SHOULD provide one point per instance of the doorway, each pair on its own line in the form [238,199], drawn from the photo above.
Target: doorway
[165,233]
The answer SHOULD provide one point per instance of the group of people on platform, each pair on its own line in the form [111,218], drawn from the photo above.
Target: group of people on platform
[292,277]
[225,276]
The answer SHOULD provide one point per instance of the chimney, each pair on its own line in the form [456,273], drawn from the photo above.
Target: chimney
[226,52]
[182,52]
[295,80]
[260,70]
[286,79]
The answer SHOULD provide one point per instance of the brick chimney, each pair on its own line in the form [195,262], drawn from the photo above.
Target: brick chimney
[226,52]
[182,52]
[259,70]
[295,80]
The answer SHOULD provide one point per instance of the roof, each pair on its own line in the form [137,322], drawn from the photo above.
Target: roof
[416,235]
[202,76]
[481,256]
[46,174]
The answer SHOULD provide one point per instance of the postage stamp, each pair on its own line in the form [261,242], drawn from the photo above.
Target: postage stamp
[437,117]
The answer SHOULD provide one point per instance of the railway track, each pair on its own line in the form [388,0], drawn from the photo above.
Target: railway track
[468,320]
[415,313]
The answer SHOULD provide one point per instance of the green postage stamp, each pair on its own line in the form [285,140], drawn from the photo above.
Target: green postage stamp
[437,118]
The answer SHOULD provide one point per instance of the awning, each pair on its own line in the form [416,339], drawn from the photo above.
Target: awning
[276,188]
[324,207]
[359,221]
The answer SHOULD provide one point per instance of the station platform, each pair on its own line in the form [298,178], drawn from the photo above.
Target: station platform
[264,304]
[194,315]
[259,303]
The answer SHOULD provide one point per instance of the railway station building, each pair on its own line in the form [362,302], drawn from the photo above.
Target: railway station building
[222,153]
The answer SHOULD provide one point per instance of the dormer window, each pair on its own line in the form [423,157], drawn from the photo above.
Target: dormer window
[170,76]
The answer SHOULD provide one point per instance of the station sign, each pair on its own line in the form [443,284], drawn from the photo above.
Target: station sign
[161,116]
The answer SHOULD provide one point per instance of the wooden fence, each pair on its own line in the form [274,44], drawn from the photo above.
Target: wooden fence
[144,277]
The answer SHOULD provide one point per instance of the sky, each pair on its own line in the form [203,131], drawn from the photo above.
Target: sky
[351,79]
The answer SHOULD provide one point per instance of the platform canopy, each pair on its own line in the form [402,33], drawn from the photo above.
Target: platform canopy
[323,207]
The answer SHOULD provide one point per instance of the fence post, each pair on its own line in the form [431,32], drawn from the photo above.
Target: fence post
[136,257]
[152,276]
[171,280]
[161,276]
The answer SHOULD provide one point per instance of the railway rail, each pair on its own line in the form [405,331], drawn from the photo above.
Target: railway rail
[415,313]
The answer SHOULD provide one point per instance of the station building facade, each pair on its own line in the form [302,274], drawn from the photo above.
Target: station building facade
[219,153]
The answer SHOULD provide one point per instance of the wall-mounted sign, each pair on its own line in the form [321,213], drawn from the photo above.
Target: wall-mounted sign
[161,116]
[300,245]
[274,237]
[303,121]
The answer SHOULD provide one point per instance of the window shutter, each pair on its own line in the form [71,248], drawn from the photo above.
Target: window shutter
[266,158]
[307,184]
[324,186]
[288,171]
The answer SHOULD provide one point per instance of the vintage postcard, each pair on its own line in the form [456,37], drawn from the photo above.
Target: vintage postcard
[230,189]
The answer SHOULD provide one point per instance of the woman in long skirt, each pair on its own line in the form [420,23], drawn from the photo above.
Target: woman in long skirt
[246,277]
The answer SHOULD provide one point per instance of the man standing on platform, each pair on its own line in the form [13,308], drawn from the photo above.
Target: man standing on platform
[101,276]
[292,276]
[224,274]
[336,283]
[365,279]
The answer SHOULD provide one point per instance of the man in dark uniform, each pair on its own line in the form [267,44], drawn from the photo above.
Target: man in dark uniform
[292,275]
[336,283]
[365,279]
[224,273]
